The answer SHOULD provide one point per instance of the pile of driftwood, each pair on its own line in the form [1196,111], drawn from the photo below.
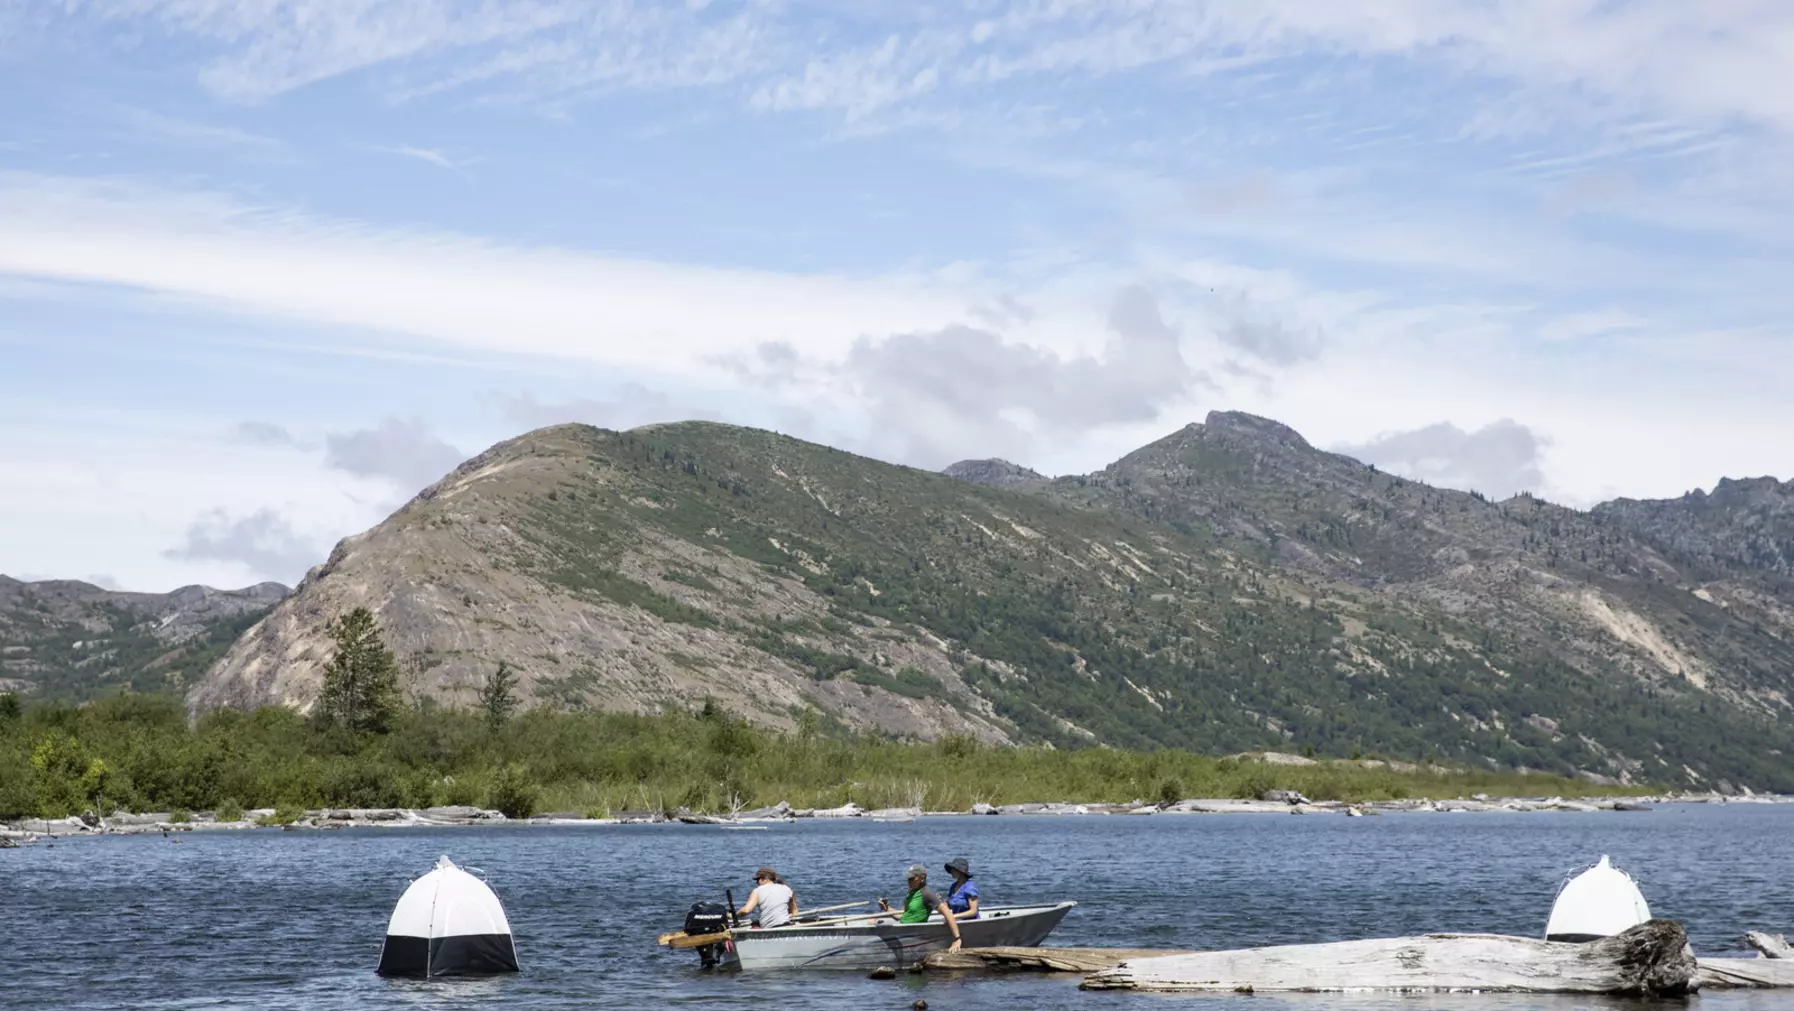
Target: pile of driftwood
[1651,959]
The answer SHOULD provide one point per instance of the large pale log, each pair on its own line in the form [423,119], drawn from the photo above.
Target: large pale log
[1746,973]
[1771,945]
[1042,959]
[1651,958]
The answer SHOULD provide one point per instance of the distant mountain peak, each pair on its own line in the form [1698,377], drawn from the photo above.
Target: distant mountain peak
[1251,425]
[1750,489]
[65,638]
[995,473]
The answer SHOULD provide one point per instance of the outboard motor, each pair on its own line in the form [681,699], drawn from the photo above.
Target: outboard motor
[707,918]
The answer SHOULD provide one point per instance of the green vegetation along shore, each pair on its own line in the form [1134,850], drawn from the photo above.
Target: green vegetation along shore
[140,753]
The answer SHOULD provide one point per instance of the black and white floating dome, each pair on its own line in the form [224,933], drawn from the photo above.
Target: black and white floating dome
[448,923]
[1600,902]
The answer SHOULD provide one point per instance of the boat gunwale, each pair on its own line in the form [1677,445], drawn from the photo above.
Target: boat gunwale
[935,919]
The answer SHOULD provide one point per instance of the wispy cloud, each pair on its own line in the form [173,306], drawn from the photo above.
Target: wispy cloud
[179,130]
[262,433]
[1712,63]
[456,289]
[428,155]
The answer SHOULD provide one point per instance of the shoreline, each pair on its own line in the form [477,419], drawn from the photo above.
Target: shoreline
[30,830]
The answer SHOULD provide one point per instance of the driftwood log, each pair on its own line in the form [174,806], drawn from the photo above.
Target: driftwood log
[1770,945]
[1746,973]
[1085,960]
[1652,958]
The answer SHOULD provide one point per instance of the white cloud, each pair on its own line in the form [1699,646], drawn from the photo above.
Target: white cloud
[262,433]
[176,129]
[1710,63]
[264,542]
[1500,459]
[429,156]
[219,254]
[1597,323]
[402,451]
[88,492]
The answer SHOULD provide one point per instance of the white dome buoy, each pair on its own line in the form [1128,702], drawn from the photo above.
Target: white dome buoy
[1600,902]
[448,923]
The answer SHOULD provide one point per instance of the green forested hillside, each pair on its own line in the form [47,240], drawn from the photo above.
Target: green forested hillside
[1227,589]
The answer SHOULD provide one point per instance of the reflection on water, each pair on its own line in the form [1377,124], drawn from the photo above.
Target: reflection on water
[272,921]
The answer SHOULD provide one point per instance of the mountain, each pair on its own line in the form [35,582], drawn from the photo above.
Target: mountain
[996,474]
[72,640]
[1227,588]
[1744,529]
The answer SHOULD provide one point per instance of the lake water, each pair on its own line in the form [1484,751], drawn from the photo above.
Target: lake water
[272,920]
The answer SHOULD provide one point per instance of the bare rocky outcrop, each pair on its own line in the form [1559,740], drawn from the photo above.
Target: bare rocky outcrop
[996,474]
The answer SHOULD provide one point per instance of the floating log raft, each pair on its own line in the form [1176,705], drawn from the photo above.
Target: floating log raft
[1085,960]
[1652,958]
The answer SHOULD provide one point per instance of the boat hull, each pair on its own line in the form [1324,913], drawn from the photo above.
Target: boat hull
[897,945]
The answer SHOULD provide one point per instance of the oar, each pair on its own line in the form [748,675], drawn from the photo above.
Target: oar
[837,920]
[809,913]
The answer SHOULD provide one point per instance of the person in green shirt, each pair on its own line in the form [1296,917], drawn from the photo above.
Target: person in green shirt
[922,901]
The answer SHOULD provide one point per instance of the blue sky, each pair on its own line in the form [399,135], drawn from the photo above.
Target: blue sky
[266,268]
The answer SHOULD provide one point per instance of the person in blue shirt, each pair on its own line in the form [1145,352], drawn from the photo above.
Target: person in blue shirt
[962,896]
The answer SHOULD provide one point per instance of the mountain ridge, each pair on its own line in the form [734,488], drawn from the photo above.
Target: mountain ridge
[66,638]
[1228,587]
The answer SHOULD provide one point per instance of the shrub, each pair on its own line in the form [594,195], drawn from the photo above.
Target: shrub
[230,810]
[285,814]
[363,785]
[18,795]
[1253,783]
[458,792]
[512,793]
[179,816]
[958,746]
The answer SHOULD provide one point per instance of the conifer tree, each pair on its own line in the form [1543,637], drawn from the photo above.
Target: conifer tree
[361,682]
[498,696]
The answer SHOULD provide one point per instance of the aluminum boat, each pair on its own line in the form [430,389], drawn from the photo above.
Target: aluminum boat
[871,943]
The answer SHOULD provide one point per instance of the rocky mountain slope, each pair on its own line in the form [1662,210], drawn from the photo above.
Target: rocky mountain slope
[72,640]
[1226,588]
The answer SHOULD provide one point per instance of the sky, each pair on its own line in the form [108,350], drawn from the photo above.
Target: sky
[270,267]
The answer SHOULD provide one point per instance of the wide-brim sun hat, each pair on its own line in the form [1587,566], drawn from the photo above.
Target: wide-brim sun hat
[958,865]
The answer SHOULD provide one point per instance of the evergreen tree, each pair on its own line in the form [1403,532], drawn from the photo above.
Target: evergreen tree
[498,696]
[361,682]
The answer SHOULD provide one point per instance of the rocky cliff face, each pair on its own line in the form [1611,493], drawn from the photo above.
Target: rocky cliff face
[68,639]
[1227,588]
[1742,528]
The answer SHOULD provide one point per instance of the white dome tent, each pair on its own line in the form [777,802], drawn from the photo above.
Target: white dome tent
[448,923]
[1600,902]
